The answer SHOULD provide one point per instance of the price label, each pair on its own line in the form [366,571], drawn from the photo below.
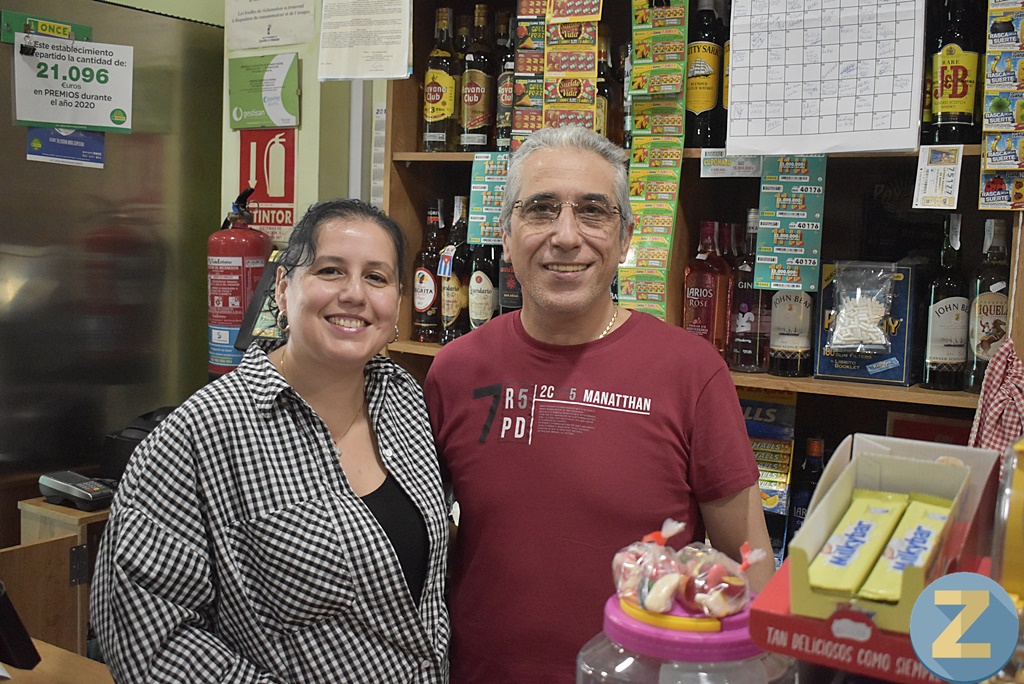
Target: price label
[72,84]
[802,261]
[805,225]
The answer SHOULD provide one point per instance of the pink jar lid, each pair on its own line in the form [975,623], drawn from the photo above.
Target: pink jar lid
[733,642]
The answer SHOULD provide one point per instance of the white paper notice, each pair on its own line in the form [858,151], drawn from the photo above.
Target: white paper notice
[267,23]
[820,76]
[365,39]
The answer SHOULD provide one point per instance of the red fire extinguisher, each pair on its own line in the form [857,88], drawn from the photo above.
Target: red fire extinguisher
[236,257]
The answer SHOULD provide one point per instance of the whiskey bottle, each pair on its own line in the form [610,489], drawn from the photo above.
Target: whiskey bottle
[440,89]
[988,316]
[703,64]
[722,9]
[454,272]
[955,69]
[506,82]
[426,317]
[751,310]
[805,481]
[477,120]
[792,334]
[483,285]
[707,290]
[945,348]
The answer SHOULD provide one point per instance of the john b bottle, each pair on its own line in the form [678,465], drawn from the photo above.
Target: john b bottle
[945,349]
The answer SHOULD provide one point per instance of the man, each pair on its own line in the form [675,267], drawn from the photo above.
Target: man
[572,428]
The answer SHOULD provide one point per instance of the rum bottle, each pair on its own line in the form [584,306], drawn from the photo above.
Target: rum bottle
[440,89]
[955,69]
[792,334]
[945,348]
[751,310]
[483,285]
[627,99]
[703,64]
[988,316]
[454,270]
[707,290]
[426,317]
[506,83]
[477,120]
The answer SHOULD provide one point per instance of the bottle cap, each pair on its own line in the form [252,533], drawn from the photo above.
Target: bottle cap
[753,219]
[815,447]
[995,234]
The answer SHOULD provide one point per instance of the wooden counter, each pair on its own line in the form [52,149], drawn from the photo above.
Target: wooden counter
[61,667]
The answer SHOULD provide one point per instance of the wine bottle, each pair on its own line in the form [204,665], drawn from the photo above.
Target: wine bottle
[440,89]
[751,310]
[483,285]
[703,64]
[988,316]
[426,317]
[510,292]
[506,83]
[707,292]
[792,334]
[945,350]
[954,77]
[477,119]
[454,271]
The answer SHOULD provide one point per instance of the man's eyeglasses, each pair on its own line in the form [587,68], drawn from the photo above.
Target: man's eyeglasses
[592,215]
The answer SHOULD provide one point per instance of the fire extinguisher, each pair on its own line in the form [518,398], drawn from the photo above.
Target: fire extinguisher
[236,257]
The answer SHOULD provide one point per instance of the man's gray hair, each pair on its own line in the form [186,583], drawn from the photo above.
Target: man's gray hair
[568,138]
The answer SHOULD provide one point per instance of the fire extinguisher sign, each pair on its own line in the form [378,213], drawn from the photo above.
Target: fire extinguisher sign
[267,157]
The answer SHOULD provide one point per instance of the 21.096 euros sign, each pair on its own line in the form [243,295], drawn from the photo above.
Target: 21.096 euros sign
[72,84]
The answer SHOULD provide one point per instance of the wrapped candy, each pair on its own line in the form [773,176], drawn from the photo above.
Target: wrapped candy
[712,583]
[647,573]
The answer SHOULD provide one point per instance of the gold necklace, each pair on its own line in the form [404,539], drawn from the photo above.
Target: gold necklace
[337,442]
[607,328]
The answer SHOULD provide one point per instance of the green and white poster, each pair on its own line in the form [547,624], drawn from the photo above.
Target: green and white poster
[263,91]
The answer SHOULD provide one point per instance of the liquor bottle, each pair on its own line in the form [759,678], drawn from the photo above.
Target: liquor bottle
[477,121]
[454,272]
[510,292]
[751,310]
[426,316]
[726,249]
[703,63]
[440,89]
[627,99]
[707,291]
[608,117]
[506,83]
[462,41]
[722,110]
[988,310]
[945,349]
[792,334]
[804,483]
[955,70]
[483,285]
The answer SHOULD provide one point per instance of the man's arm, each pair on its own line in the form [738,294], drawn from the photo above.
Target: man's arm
[739,518]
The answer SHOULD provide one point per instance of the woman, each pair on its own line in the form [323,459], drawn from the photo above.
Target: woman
[286,524]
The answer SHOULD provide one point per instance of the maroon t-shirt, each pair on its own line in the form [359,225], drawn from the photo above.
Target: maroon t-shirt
[560,456]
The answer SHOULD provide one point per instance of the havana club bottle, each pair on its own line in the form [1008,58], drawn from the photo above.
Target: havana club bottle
[477,121]
[506,83]
[440,88]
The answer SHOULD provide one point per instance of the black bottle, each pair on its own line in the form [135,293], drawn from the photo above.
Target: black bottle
[805,481]
[454,272]
[483,285]
[703,64]
[945,350]
[955,71]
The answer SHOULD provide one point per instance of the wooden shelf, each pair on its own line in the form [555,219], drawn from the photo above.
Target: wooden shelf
[836,388]
[688,153]
[914,394]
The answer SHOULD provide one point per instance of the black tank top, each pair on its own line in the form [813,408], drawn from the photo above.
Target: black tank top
[403,524]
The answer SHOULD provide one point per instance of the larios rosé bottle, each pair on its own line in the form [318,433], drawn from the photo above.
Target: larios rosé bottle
[707,292]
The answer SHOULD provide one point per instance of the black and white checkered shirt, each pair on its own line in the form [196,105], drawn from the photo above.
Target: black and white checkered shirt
[237,552]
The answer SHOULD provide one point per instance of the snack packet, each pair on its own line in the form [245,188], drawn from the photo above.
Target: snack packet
[647,572]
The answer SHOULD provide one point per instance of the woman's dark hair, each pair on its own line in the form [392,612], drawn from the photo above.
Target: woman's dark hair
[301,249]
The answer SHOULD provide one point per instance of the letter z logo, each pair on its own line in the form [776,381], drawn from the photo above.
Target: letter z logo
[964,627]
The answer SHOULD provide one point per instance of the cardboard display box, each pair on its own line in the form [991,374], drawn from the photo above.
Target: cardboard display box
[896,465]
[902,365]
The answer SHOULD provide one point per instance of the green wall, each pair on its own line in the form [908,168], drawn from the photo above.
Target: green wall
[206,11]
